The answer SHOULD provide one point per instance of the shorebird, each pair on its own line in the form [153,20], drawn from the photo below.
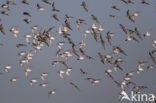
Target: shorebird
[7,68]
[102,42]
[61,72]
[95,18]
[13,79]
[116,8]
[54,8]
[43,75]
[43,85]
[84,5]
[25,2]
[5,6]
[154,43]
[147,34]
[40,8]
[2,29]
[32,81]
[52,92]
[47,2]
[14,31]
[55,16]
[27,71]
[109,37]
[75,86]
[145,2]
[10,2]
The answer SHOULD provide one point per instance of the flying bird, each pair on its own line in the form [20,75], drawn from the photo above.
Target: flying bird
[84,5]
[102,42]
[47,2]
[75,86]
[54,8]
[25,2]
[116,8]
[95,18]
[2,29]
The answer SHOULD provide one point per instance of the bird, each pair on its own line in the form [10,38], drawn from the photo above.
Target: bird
[93,81]
[27,20]
[145,2]
[124,95]
[116,8]
[137,89]
[67,24]
[154,43]
[152,58]
[83,72]
[67,71]
[20,45]
[130,17]
[101,57]
[102,42]
[27,36]
[112,16]
[43,75]
[84,54]
[130,38]
[125,1]
[95,18]
[1,44]
[7,68]
[10,2]
[135,14]
[150,67]
[14,79]
[79,22]
[147,34]
[40,8]
[54,8]
[86,32]
[46,1]
[107,72]
[27,71]
[4,13]
[100,29]
[32,81]
[109,37]
[14,31]
[123,28]
[94,33]
[93,27]
[27,14]
[2,29]
[43,85]
[138,33]
[25,2]
[84,5]
[55,16]
[61,72]
[117,49]
[5,6]
[74,85]
[67,17]
[52,92]
[130,1]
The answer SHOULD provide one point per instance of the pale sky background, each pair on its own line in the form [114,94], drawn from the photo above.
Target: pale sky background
[104,92]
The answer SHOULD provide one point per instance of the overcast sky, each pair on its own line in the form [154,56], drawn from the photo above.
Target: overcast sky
[104,92]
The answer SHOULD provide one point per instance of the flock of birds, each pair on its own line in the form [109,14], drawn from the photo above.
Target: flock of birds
[40,38]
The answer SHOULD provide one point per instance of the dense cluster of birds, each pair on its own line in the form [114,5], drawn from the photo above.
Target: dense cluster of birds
[40,38]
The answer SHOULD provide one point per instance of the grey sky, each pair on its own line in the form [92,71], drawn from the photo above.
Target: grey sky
[104,92]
